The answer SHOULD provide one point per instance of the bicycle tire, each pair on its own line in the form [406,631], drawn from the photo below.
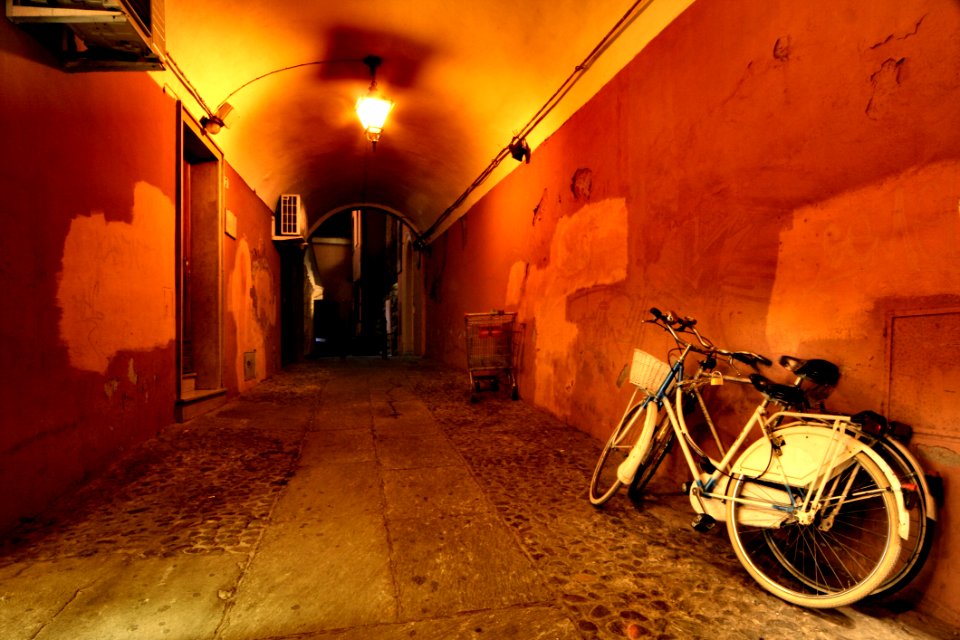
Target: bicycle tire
[922,511]
[829,562]
[604,483]
[659,446]
[921,508]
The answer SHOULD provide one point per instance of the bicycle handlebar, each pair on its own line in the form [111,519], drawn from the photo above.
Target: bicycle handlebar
[675,325]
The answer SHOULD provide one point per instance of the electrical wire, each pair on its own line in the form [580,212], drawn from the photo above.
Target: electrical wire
[293,66]
[540,115]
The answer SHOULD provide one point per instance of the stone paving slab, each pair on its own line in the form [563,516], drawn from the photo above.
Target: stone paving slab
[125,599]
[331,491]
[431,492]
[417,450]
[335,415]
[406,421]
[310,576]
[337,447]
[32,593]
[514,623]
[450,565]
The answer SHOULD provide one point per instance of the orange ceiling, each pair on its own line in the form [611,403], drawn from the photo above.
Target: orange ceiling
[465,76]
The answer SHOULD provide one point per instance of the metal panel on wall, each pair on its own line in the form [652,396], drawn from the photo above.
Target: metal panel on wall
[924,371]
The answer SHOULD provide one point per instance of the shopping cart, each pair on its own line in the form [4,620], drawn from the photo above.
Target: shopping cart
[493,342]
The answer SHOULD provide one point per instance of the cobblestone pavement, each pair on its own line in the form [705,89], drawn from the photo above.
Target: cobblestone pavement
[211,488]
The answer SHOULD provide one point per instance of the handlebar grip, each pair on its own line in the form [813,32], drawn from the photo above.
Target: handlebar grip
[752,359]
[656,313]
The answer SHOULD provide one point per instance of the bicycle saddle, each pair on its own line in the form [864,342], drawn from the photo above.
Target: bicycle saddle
[782,393]
[821,372]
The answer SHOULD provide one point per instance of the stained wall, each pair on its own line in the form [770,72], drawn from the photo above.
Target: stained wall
[88,263]
[252,289]
[787,175]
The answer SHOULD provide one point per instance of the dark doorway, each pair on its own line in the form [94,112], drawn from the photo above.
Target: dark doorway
[291,302]
[199,270]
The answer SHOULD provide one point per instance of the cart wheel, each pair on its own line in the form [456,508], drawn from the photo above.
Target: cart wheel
[515,394]
[476,386]
[495,385]
[474,399]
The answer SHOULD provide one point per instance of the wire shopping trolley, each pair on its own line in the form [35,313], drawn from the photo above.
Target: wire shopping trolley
[493,342]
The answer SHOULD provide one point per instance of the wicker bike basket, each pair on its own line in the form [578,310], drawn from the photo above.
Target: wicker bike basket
[647,372]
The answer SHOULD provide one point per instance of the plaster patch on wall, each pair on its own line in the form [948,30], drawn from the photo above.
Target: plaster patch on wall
[588,249]
[516,282]
[113,282]
[892,239]
[252,300]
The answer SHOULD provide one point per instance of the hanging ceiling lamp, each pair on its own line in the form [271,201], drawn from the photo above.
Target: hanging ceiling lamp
[373,108]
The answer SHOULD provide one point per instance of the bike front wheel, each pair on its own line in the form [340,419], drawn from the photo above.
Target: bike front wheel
[605,483]
[659,446]
[842,555]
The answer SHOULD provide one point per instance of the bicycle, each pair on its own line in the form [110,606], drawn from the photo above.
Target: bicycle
[814,515]
[814,380]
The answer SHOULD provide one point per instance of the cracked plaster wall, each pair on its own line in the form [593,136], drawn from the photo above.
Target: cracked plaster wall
[786,175]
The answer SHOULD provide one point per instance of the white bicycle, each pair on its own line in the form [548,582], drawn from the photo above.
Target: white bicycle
[814,514]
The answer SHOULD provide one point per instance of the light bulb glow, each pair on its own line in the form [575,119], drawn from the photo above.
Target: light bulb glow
[373,111]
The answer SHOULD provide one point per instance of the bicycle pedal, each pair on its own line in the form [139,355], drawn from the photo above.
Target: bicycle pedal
[703,523]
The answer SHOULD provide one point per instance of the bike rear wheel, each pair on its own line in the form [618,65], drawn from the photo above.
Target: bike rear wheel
[605,483]
[842,556]
[921,509]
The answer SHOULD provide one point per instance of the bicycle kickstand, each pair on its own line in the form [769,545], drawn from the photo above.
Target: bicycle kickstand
[704,521]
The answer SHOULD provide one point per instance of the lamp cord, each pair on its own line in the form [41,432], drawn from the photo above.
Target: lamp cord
[293,66]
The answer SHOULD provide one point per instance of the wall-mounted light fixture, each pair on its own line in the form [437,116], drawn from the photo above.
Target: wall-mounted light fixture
[373,108]
[519,149]
[216,121]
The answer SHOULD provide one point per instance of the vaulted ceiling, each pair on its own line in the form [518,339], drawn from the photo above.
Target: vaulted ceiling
[466,77]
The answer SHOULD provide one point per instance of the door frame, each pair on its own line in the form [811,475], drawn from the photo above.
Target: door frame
[199,199]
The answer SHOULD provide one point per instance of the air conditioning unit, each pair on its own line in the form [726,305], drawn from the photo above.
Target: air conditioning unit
[92,35]
[290,221]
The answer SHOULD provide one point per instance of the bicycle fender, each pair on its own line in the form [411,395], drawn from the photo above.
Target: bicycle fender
[802,452]
[929,500]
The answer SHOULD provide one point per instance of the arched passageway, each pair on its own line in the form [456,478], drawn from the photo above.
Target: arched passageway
[360,287]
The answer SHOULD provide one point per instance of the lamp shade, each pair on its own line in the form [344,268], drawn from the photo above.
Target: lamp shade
[373,111]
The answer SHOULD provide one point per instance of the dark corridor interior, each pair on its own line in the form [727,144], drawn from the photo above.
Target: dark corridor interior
[344,286]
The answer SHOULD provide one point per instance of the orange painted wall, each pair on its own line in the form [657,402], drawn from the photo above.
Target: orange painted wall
[790,176]
[252,288]
[87,263]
